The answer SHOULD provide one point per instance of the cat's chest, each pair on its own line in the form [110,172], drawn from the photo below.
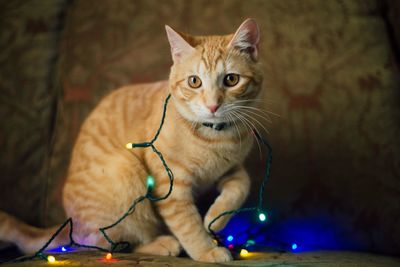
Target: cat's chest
[209,163]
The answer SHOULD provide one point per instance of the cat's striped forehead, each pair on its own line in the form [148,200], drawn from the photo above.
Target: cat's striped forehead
[209,63]
[213,52]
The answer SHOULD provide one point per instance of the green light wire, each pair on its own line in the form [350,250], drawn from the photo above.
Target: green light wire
[115,246]
[131,209]
[259,208]
[119,246]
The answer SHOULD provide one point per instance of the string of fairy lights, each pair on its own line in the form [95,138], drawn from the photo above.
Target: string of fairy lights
[124,245]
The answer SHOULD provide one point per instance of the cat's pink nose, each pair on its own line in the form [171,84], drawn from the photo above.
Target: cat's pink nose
[213,108]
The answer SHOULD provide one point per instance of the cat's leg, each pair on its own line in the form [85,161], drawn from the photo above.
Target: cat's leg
[97,195]
[182,218]
[165,245]
[234,188]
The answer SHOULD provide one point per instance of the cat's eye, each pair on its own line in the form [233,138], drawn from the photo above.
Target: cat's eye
[231,79]
[194,81]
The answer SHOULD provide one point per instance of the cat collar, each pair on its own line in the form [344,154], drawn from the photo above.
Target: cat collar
[217,126]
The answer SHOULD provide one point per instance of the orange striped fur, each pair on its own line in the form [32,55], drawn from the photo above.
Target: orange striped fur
[104,177]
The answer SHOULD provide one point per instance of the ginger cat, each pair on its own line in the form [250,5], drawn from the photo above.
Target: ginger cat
[214,83]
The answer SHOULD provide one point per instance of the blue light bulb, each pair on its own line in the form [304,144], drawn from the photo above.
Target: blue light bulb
[229,238]
[294,246]
[63,249]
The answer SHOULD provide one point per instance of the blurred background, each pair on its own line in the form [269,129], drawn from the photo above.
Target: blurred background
[331,74]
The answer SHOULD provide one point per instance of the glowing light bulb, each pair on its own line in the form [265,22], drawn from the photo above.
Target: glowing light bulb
[262,217]
[250,243]
[109,256]
[229,238]
[294,246]
[63,249]
[230,246]
[51,259]
[244,252]
[129,145]
[150,182]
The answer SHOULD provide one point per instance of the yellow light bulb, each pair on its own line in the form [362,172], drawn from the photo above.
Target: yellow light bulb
[129,145]
[51,259]
[244,253]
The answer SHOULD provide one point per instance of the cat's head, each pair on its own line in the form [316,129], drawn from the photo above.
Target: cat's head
[213,75]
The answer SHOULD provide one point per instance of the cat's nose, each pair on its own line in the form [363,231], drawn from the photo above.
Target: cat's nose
[213,108]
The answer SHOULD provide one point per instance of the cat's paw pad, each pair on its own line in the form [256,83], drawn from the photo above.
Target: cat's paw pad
[216,254]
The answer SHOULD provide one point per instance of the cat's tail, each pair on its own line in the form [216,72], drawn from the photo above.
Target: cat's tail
[29,239]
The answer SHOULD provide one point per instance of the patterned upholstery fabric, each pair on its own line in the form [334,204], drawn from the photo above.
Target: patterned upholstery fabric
[29,31]
[330,75]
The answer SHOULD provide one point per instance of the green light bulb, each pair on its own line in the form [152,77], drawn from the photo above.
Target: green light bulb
[250,242]
[150,182]
[262,217]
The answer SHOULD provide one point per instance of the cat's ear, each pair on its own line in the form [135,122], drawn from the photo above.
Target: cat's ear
[246,38]
[180,48]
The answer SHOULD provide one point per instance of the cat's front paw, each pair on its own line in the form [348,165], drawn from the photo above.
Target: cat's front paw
[216,254]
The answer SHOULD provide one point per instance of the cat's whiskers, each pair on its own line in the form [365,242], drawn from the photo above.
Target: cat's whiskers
[267,119]
[253,112]
[256,121]
[246,112]
[193,126]
[264,111]
[232,120]
[237,116]
[254,128]
[250,126]
[254,100]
